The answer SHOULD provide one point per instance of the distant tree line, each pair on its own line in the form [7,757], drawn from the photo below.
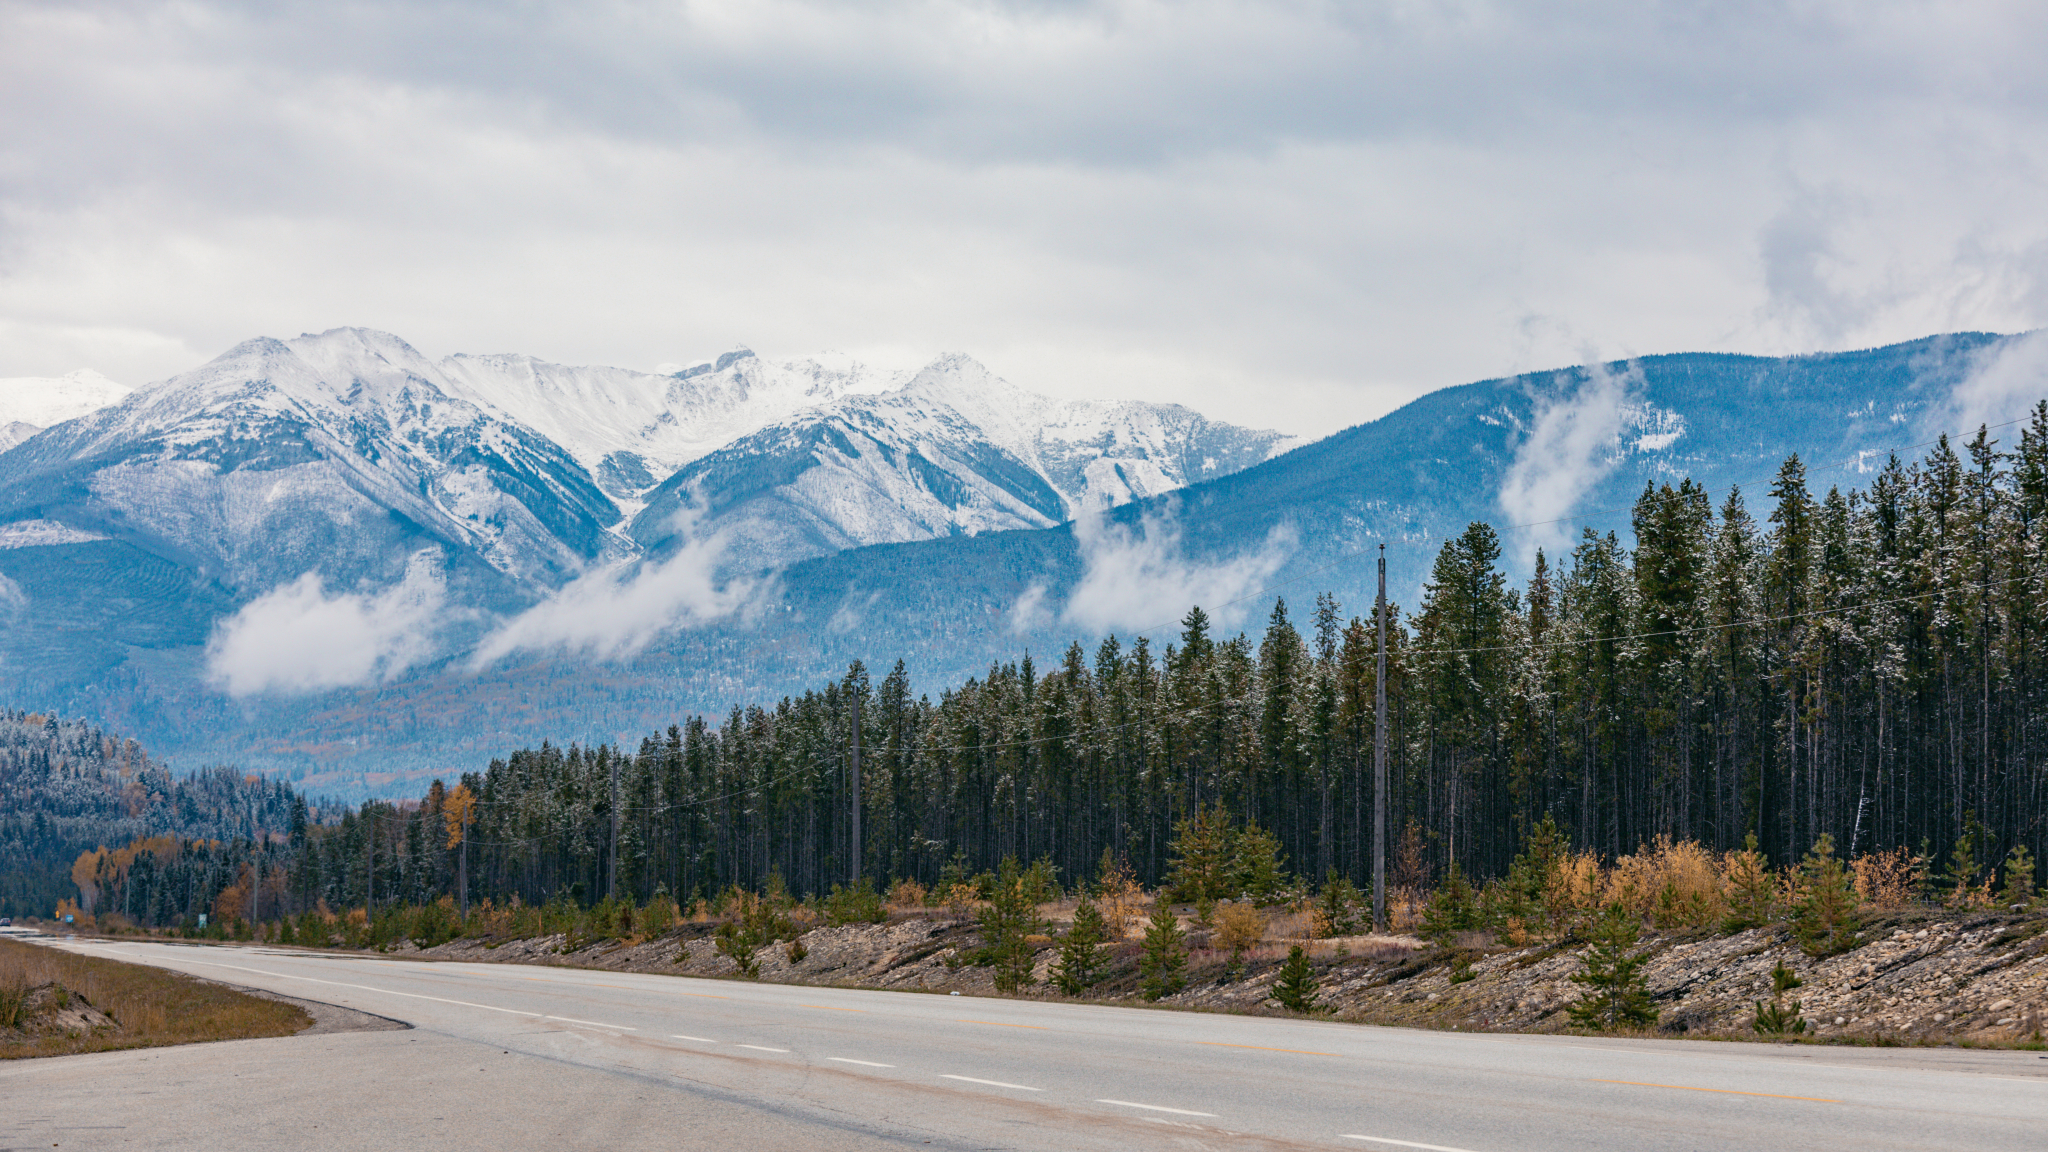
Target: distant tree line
[67,787]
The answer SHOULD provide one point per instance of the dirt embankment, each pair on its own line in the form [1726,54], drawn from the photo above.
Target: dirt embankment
[1915,979]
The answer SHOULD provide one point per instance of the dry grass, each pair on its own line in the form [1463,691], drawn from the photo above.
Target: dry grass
[150,1007]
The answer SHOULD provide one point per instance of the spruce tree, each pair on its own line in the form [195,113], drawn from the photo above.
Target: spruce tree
[1081,958]
[1616,994]
[1164,964]
[1296,987]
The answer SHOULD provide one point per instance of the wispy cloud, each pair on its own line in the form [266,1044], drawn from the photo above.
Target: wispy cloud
[300,638]
[1137,578]
[1571,445]
[621,608]
[2005,383]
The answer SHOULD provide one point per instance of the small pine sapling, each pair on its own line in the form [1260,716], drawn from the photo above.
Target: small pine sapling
[1006,927]
[1163,967]
[1453,909]
[1829,912]
[1961,875]
[1334,915]
[1616,994]
[1775,1017]
[2018,892]
[1081,958]
[1296,987]
[1751,890]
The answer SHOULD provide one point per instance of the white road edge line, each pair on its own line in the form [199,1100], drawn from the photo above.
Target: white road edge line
[698,1039]
[591,1023]
[759,1048]
[1156,1108]
[409,995]
[862,1063]
[990,1083]
[1403,1143]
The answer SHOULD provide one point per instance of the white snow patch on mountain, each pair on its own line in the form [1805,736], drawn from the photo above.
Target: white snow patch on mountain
[42,533]
[29,404]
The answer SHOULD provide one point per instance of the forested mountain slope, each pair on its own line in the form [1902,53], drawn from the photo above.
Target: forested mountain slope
[68,787]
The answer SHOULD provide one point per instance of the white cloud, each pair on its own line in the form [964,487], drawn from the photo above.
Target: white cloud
[1571,445]
[1282,213]
[1139,579]
[299,638]
[2004,384]
[621,608]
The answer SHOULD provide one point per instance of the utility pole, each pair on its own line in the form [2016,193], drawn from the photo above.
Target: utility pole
[462,867]
[1379,763]
[370,871]
[612,882]
[255,866]
[855,878]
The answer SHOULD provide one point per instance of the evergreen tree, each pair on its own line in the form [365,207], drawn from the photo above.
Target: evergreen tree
[1777,1018]
[1006,927]
[1752,891]
[1164,963]
[1827,918]
[1616,995]
[2018,891]
[1296,987]
[1081,958]
[1453,909]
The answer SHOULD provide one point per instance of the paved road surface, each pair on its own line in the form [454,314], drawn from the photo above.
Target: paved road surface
[507,1056]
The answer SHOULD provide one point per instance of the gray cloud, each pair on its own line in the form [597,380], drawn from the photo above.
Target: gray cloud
[1292,213]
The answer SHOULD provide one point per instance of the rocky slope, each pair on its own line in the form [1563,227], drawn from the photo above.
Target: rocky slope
[1917,979]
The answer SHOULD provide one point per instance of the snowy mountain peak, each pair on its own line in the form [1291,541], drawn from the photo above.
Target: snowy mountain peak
[29,404]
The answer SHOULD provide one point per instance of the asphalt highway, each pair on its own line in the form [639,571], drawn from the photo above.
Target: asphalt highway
[721,1064]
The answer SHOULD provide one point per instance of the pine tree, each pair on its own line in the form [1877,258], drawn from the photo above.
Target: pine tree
[1453,909]
[1752,893]
[1006,927]
[1164,964]
[1828,915]
[1296,987]
[1335,915]
[1255,868]
[2019,878]
[1202,859]
[1775,1018]
[1081,958]
[1616,994]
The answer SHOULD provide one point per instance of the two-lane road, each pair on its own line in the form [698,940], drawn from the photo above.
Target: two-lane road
[706,1063]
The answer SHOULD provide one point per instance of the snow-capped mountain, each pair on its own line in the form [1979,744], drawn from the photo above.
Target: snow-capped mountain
[630,430]
[29,404]
[956,451]
[350,455]
[342,454]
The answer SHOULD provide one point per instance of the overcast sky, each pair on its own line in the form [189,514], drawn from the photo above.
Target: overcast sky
[1291,215]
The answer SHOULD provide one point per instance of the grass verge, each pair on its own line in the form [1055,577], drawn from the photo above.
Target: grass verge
[57,1003]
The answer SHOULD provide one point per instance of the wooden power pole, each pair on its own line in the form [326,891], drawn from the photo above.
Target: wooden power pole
[1379,762]
[855,875]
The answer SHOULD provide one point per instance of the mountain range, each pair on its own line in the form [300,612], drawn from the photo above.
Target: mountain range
[484,551]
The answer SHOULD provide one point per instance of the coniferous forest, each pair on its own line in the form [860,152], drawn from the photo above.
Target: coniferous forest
[1870,665]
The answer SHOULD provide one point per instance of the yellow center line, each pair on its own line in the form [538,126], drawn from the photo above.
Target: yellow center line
[1723,1091]
[1263,1048]
[1000,1024]
[830,1008]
